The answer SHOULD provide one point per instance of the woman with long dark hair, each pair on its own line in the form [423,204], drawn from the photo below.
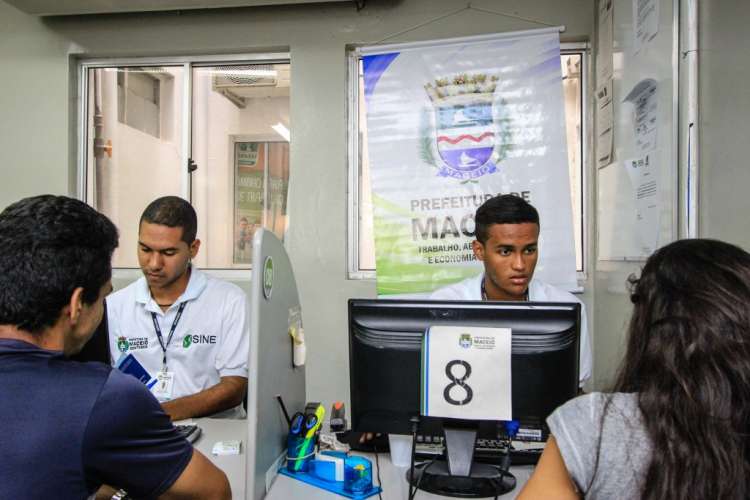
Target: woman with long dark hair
[676,424]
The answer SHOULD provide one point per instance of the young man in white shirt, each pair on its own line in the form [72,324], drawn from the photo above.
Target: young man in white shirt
[188,329]
[507,234]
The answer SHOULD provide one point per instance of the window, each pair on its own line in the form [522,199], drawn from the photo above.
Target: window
[213,132]
[361,248]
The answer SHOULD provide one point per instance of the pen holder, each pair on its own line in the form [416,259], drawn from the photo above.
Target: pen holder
[299,451]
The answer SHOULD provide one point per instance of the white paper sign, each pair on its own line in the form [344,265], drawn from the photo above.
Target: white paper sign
[646,15]
[604,66]
[605,124]
[644,96]
[644,176]
[466,373]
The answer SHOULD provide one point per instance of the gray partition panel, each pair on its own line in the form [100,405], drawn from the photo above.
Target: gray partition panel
[270,364]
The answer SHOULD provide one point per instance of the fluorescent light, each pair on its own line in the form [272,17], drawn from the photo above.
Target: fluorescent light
[281,130]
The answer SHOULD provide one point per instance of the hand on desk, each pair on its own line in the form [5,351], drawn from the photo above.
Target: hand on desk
[228,393]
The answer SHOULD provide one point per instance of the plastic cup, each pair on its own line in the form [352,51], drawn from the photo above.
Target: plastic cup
[400,449]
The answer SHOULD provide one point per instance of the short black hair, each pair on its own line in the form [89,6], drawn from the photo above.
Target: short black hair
[502,209]
[172,211]
[49,246]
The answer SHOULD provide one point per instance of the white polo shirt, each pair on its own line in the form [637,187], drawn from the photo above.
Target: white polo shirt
[211,339]
[471,289]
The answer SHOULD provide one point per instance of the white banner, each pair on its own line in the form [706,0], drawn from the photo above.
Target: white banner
[466,373]
[450,125]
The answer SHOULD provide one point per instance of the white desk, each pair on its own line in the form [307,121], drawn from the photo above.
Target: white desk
[219,429]
[393,478]
[393,483]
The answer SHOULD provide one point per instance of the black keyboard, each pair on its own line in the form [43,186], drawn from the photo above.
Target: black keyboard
[492,451]
[191,432]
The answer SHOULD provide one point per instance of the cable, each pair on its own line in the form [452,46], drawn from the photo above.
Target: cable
[419,481]
[468,6]
[377,472]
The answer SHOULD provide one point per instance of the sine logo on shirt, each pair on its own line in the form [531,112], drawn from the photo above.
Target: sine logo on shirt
[191,339]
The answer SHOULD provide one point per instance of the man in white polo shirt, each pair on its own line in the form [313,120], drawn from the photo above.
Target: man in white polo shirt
[188,329]
[507,234]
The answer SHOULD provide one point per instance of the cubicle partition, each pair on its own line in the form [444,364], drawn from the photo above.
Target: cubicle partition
[275,315]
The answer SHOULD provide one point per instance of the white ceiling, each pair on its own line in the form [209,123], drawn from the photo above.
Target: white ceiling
[71,7]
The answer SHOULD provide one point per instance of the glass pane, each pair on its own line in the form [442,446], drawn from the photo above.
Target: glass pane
[134,145]
[240,132]
[250,167]
[571,71]
[366,234]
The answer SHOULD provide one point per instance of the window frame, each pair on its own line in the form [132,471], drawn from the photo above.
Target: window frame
[188,63]
[353,270]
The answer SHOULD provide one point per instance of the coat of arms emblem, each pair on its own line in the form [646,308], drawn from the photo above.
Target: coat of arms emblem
[465,340]
[467,136]
[122,344]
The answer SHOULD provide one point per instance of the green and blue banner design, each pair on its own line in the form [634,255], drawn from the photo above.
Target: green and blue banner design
[451,125]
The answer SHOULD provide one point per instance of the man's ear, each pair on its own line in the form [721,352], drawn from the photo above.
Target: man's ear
[478,250]
[194,246]
[73,308]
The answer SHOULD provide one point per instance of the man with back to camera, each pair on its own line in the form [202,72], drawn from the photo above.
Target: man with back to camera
[188,330]
[70,427]
[507,234]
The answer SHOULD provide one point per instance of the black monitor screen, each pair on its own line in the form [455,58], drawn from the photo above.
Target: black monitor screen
[385,338]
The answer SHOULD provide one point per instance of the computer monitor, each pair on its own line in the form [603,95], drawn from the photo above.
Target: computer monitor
[385,340]
[384,357]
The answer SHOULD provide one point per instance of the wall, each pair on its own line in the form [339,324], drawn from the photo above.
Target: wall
[724,103]
[316,36]
[34,104]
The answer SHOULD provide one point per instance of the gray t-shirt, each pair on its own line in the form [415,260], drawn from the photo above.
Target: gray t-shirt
[620,440]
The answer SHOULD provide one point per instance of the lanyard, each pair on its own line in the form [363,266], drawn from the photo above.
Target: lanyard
[157,328]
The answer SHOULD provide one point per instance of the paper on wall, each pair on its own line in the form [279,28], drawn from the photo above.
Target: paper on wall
[604,41]
[604,124]
[644,97]
[644,177]
[646,17]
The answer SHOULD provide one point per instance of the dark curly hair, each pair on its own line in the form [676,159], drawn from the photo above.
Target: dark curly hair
[49,246]
[688,359]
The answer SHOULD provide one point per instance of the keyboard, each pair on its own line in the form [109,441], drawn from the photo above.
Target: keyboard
[491,451]
[191,432]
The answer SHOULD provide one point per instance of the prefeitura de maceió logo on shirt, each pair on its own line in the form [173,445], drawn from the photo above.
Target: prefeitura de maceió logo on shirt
[125,344]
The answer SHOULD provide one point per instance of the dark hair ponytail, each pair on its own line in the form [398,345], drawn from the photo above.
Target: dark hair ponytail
[688,359]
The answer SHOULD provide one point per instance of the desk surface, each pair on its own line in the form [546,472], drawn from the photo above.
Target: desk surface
[219,429]
[392,478]
[393,482]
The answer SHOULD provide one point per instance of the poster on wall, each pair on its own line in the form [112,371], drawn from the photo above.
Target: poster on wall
[249,160]
[278,188]
[450,125]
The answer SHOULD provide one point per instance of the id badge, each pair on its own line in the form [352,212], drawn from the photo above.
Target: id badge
[162,390]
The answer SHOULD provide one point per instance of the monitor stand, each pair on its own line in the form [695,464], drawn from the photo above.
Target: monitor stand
[460,476]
